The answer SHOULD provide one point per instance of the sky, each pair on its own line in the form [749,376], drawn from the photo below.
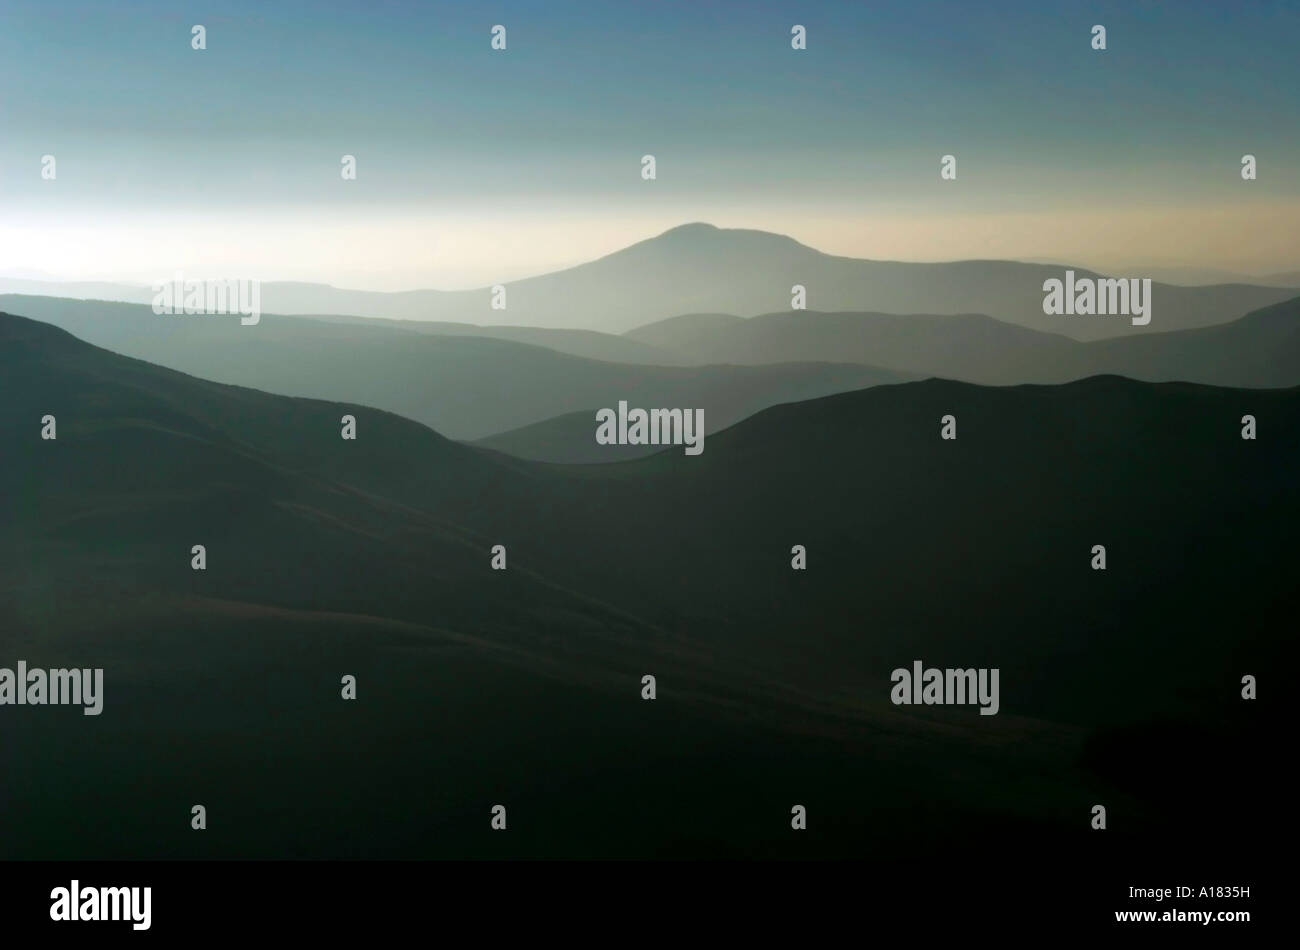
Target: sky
[476,166]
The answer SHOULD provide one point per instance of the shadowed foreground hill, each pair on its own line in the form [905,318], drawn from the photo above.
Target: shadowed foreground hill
[371,558]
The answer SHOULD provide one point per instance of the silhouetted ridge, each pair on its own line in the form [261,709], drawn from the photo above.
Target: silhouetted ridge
[464,386]
[16,330]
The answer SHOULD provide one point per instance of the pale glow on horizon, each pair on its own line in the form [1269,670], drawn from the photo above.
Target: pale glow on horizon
[468,249]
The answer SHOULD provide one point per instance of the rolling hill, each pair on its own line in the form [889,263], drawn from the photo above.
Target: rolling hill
[466,387]
[371,557]
[1261,349]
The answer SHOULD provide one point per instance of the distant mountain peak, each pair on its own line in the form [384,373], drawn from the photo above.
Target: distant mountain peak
[691,227]
[696,236]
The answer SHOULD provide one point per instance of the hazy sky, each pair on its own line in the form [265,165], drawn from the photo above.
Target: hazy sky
[476,166]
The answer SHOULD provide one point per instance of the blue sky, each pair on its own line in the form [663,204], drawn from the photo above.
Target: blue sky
[515,161]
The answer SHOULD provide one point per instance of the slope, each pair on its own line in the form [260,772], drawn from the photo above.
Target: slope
[328,557]
[465,387]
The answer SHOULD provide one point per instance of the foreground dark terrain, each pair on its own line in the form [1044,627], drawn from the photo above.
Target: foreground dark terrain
[477,687]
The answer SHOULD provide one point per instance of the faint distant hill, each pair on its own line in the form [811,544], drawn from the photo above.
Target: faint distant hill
[610,347]
[1261,349]
[537,403]
[689,333]
[76,289]
[600,346]
[1197,276]
[1287,279]
[467,387]
[697,268]
[963,346]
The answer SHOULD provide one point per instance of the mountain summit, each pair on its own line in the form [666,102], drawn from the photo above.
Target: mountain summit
[700,268]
